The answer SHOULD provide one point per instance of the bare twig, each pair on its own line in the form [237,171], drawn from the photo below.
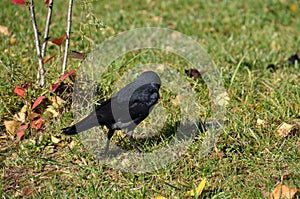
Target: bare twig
[47,28]
[38,47]
[68,36]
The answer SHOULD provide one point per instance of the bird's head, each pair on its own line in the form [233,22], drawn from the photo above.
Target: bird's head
[149,77]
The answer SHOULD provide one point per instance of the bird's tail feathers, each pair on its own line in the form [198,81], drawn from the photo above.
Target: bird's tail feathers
[70,130]
[85,124]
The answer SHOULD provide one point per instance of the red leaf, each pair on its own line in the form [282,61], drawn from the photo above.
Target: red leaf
[76,55]
[37,102]
[33,115]
[20,2]
[19,91]
[59,41]
[20,134]
[54,87]
[36,124]
[47,2]
[64,76]
[21,130]
[45,61]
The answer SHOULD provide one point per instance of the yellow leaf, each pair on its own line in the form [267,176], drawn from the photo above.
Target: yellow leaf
[12,40]
[293,8]
[283,191]
[24,109]
[72,144]
[284,129]
[52,110]
[11,126]
[55,140]
[199,189]
[160,197]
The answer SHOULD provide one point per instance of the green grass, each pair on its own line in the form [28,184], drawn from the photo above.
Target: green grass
[242,37]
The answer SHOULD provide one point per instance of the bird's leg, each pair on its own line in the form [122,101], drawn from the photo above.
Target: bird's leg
[109,135]
[129,135]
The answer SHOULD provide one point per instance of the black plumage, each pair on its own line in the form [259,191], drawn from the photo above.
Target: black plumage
[124,110]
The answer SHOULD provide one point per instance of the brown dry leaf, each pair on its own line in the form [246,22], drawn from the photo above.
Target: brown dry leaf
[284,129]
[11,126]
[21,117]
[4,30]
[12,41]
[261,122]
[222,99]
[283,191]
[56,101]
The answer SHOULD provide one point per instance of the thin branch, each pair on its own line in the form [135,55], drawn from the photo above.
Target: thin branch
[47,28]
[68,36]
[38,47]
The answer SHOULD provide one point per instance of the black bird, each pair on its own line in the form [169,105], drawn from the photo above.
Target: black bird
[124,110]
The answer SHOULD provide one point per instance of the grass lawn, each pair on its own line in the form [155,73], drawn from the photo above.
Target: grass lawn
[243,38]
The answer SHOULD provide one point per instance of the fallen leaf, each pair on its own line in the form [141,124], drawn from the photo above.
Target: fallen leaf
[21,130]
[199,189]
[24,109]
[12,41]
[55,140]
[19,91]
[20,2]
[160,197]
[20,134]
[54,87]
[52,110]
[48,59]
[47,2]
[67,74]
[11,126]
[261,122]
[27,191]
[293,8]
[37,102]
[76,55]
[21,117]
[284,129]
[73,144]
[33,115]
[37,124]
[4,30]
[222,99]
[283,191]
[60,40]
[60,101]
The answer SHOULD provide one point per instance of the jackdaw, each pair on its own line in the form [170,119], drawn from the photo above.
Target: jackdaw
[124,110]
